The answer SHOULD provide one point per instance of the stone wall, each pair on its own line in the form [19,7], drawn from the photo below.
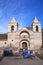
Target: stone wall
[42,37]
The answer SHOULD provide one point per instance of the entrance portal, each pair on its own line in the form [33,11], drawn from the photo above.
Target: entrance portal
[24,45]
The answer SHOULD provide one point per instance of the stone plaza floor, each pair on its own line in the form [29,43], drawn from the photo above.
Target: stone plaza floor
[21,61]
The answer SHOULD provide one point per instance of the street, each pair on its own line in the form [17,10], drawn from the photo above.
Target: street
[21,61]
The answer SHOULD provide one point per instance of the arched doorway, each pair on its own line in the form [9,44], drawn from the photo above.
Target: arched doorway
[24,45]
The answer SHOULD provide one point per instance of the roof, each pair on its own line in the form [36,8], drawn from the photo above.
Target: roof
[3,36]
[35,21]
[29,28]
[13,21]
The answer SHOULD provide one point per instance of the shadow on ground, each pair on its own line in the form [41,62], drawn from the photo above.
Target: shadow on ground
[1,58]
[40,57]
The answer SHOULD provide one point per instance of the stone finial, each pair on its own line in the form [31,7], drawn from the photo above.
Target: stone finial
[35,19]
[13,20]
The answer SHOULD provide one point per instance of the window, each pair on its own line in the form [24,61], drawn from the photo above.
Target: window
[36,28]
[12,28]
[24,34]
[12,40]
[5,43]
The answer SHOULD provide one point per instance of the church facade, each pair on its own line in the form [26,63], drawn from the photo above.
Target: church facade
[26,38]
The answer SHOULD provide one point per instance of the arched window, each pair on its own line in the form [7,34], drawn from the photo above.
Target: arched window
[12,28]
[5,43]
[36,28]
[24,34]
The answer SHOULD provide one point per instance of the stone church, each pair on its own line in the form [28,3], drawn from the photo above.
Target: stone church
[27,38]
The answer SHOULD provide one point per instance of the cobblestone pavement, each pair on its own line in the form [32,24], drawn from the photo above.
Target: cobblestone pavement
[20,61]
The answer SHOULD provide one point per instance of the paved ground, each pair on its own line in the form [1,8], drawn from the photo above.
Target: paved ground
[20,61]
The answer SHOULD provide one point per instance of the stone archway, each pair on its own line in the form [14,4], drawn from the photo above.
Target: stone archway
[24,44]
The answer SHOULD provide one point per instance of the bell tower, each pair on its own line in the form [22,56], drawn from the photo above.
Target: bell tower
[13,26]
[12,29]
[36,26]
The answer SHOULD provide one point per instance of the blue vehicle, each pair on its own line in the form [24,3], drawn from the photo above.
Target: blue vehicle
[7,52]
[28,54]
[25,54]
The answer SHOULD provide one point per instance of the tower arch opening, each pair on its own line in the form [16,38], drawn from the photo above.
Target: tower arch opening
[12,28]
[36,28]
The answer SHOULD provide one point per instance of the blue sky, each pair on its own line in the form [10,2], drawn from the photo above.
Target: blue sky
[23,10]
